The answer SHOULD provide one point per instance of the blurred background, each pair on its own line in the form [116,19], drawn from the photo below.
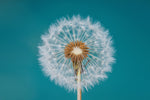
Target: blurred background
[22,22]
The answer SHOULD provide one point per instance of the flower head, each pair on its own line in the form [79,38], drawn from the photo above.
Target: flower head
[76,41]
[77,51]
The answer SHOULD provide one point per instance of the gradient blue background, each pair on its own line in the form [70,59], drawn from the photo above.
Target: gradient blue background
[22,22]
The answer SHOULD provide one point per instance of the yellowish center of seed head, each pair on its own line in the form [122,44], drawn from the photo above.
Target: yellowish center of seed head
[77,51]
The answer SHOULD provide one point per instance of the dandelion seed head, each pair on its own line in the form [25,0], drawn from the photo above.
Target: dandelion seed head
[76,39]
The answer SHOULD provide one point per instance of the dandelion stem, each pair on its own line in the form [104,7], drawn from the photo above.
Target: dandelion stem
[79,83]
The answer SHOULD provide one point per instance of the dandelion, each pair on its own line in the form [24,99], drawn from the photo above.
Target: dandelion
[76,53]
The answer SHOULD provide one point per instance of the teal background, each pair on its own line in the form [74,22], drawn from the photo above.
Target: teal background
[22,22]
